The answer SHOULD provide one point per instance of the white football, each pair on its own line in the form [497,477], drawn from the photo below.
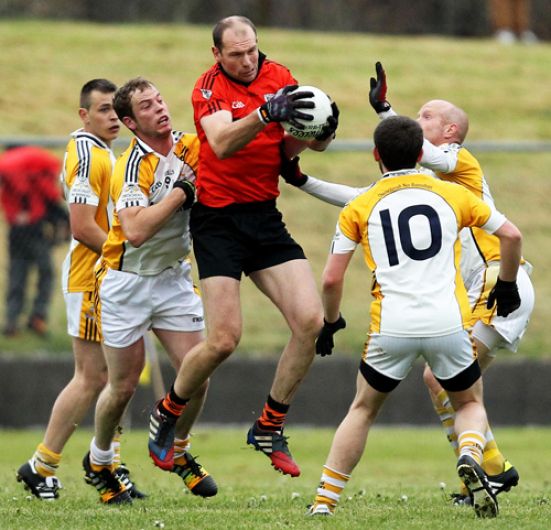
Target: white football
[321,111]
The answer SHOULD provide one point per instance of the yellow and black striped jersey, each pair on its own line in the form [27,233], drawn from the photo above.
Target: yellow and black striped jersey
[87,168]
[143,177]
[408,225]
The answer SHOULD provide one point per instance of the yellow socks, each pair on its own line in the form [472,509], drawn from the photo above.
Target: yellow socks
[446,413]
[493,462]
[331,485]
[472,443]
[45,461]
[116,446]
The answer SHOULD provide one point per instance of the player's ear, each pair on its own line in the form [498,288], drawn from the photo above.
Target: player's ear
[420,155]
[83,114]
[130,123]
[217,54]
[376,155]
[450,131]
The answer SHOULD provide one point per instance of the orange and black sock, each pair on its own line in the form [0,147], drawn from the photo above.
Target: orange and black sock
[273,415]
[172,404]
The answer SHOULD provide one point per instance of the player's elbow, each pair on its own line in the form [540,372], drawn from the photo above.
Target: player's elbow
[510,233]
[331,281]
[81,233]
[516,237]
[319,146]
[136,238]
[222,152]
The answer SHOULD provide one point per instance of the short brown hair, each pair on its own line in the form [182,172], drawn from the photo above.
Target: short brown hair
[123,96]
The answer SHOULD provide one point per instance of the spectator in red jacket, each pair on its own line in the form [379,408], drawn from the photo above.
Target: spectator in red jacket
[30,197]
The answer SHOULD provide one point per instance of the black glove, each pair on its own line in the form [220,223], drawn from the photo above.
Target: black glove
[505,296]
[377,92]
[324,342]
[291,173]
[189,189]
[284,107]
[330,127]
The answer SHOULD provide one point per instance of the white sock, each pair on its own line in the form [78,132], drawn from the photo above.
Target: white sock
[99,457]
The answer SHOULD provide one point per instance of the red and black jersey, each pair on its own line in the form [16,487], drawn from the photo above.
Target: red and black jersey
[251,174]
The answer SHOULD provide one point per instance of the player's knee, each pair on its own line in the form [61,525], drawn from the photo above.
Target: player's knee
[122,391]
[364,411]
[222,345]
[308,324]
[95,384]
[90,382]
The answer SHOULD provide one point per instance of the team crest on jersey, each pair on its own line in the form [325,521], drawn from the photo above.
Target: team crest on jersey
[237,104]
[207,94]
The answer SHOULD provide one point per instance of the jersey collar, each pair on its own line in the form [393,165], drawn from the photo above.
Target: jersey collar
[145,149]
[401,173]
[81,134]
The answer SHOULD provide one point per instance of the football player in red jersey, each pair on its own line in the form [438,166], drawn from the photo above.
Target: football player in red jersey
[239,104]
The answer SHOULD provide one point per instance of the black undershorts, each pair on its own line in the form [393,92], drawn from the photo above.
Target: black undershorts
[240,238]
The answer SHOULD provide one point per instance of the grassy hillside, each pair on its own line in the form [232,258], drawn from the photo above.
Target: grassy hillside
[505,90]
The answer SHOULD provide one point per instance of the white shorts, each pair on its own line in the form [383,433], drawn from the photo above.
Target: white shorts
[447,355]
[131,304]
[81,316]
[493,331]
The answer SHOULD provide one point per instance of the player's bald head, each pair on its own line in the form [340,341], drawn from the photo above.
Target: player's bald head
[451,114]
[240,26]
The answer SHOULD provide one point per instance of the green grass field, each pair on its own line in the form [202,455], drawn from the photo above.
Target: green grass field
[504,90]
[396,486]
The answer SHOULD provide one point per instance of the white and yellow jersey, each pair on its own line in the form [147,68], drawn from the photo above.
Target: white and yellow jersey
[143,177]
[454,163]
[87,169]
[408,225]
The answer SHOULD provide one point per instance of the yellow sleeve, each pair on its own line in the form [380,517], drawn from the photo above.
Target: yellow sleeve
[187,151]
[474,211]
[348,223]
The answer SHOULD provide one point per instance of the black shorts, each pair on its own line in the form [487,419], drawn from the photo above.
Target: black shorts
[240,238]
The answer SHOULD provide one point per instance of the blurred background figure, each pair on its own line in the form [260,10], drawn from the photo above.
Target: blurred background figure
[30,196]
[511,21]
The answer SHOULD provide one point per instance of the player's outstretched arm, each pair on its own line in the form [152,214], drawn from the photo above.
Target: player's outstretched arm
[336,194]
